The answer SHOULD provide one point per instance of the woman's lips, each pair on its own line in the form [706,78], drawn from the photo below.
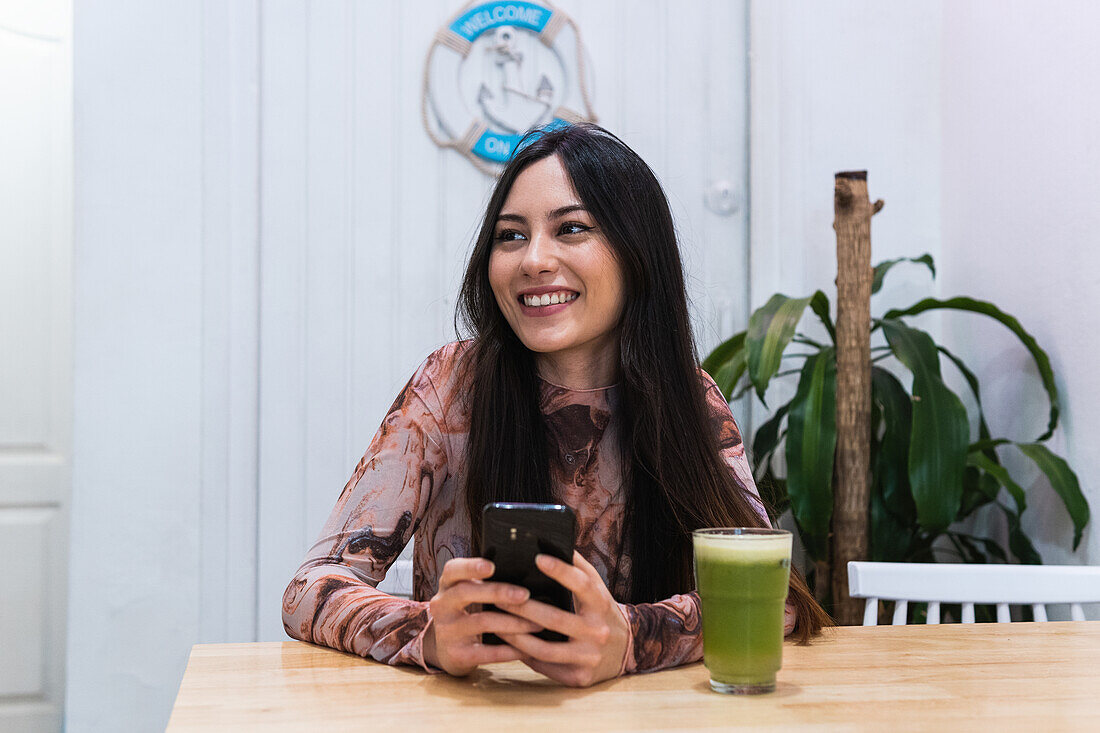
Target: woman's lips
[542,311]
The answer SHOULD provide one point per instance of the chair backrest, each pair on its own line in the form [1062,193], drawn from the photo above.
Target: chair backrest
[936,583]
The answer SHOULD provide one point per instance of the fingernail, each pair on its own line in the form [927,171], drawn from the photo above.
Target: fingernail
[518,594]
[485,566]
[544,561]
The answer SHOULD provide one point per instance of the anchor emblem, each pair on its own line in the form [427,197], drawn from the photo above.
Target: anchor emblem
[512,109]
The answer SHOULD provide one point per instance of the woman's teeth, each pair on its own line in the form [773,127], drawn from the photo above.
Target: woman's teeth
[536,301]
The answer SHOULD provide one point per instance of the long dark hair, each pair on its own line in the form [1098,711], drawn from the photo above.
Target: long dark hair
[674,476]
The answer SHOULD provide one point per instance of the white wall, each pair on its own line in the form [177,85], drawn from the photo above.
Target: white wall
[978,123]
[136,508]
[1019,193]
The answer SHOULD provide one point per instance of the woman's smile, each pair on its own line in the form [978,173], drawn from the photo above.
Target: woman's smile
[542,302]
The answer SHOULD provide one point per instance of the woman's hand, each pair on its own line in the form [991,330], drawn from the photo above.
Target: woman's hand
[453,640]
[597,630]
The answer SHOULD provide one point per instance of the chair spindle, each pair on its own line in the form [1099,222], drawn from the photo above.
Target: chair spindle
[870,612]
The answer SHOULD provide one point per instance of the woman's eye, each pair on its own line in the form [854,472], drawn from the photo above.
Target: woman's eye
[508,235]
[574,228]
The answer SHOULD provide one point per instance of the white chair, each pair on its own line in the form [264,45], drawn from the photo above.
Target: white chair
[936,583]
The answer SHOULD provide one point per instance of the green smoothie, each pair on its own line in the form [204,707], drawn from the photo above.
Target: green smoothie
[742,583]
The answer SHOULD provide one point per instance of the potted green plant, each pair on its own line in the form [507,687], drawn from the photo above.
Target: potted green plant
[928,472]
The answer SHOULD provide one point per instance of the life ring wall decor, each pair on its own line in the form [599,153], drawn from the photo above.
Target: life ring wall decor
[498,69]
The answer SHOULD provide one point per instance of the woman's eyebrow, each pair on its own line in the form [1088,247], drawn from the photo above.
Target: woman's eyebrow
[561,211]
[566,210]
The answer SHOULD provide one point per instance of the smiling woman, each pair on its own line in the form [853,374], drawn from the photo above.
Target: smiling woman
[580,386]
[556,279]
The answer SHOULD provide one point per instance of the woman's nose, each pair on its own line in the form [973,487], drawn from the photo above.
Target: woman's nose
[540,255]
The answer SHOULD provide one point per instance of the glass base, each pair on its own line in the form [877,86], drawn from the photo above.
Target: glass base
[755,689]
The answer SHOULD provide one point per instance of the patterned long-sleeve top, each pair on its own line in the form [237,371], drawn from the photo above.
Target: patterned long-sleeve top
[409,485]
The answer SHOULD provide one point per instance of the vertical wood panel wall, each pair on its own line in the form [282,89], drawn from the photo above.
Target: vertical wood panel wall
[365,224]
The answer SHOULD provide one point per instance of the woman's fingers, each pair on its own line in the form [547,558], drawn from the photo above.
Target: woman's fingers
[464,568]
[549,617]
[556,652]
[491,622]
[571,576]
[588,568]
[450,605]
[501,594]
[490,653]
[566,674]
[581,578]
[462,583]
[466,658]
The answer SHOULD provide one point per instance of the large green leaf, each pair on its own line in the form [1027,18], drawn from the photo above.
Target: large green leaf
[767,436]
[892,472]
[972,380]
[770,330]
[764,460]
[1000,473]
[727,363]
[819,304]
[1064,482]
[890,537]
[988,309]
[772,488]
[876,442]
[893,514]
[730,374]
[979,489]
[803,339]
[811,445]
[940,429]
[884,267]
[724,352]
[985,446]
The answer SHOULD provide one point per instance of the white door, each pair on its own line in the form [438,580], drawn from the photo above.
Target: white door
[35,352]
[366,223]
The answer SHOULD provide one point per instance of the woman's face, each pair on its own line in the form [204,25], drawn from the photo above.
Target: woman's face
[553,274]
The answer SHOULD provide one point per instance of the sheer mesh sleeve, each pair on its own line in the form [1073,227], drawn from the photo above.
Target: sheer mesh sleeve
[332,599]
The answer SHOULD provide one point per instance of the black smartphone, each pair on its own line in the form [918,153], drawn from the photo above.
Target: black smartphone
[511,536]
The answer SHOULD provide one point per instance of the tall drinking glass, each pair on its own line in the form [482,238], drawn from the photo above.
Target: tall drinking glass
[741,575]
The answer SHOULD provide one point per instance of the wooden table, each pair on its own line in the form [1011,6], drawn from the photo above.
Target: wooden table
[1034,676]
